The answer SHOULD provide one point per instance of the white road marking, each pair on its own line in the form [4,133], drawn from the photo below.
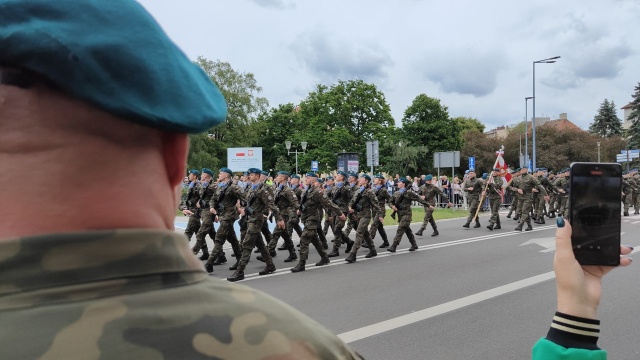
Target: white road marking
[404,320]
[635,222]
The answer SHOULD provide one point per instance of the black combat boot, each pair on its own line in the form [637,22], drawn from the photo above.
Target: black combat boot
[235,266]
[551,215]
[372,253]
[209,267]
[541,221]
[413,247]
[419,232]
[392,248]
[205,254]
[516,218]
[271,267]
[490,227]
[299,267]
[349,245]
[220,259]
[509,214]
[519,227]
[283,247]
[626,213]
[237,276]
[324,260]
[365,245]
[435,232]
[529,227]
[477,225]
[385,244]
[636,212]
[351,258]
[292,255]
[335,252]
[466,225]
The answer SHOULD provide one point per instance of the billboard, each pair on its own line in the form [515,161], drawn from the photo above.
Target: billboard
[241,159]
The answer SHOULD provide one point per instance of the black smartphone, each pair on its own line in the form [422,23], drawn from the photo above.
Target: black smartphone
[594,212]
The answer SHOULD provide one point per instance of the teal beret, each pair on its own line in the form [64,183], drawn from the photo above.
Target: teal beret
[255,171]
[378,176]
[265,173]
[194,172]
[284,173]
[352,174]
[342,173]
[405,180]
[367,177]
[226,170]
[113,55]
[485,176]
[295,176]
[472,171]
[321,181]
[207,171]
[428,177]
[329,178]
[312,174]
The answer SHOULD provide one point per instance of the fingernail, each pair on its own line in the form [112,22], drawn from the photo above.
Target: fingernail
[560,221]
[630,247]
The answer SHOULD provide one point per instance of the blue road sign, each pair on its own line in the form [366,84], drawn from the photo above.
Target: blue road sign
[314,166]
[530,166]
[472,163]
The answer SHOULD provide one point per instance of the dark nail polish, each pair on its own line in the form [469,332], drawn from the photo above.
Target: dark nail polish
[630,247]
[560,221]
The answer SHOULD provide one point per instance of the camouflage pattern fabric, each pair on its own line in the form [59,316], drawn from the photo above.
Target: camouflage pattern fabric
[402,201]
[365,204]
[140,294]
[495,198]
[473,197]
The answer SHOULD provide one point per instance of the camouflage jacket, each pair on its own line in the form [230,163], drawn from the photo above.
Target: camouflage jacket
[286,201]
[476,184]
[402,201]
[140,294]
[429,192]
[313,201]
[383,198]
[494,190]
[365,204]
[528,183]
[341,195]
[514,185]
[205,194]
[190,200]
[627,186]
[259,202]
[224,201]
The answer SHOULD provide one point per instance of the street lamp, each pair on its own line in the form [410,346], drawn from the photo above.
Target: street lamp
[533,122]
[302,144]
[526,131]
[598,150]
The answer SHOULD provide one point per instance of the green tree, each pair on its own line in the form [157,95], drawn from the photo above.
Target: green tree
[634,117]
[283,164]
[426,122]
[606,123]
[466,124]
[406,159]
[274,128]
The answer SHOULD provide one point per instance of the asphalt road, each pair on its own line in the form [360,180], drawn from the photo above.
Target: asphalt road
[466,294]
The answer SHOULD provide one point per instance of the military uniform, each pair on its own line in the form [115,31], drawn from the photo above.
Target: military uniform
[402,200]
[189,203]
[340,195]
[383,197]
[295,220]
[364,205]
[312,200]
[206,228]
[288,205]
[224,204]
[516,204]
[351,220]
[430,193]
[154,302]
[494,194]
[473,196]
[627,193]
[541,208]
[527,184]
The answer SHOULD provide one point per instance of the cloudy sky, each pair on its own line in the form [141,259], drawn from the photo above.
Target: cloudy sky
[475,56]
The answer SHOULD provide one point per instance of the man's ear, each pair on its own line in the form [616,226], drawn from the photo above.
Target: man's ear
[175,148]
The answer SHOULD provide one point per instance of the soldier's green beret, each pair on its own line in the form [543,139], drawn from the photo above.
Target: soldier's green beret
[428,177]
[485,176]
[295,176]
[342,173]
[226,170]
[312,174]
[207,171]
[329,178]
[284,173]
[114,56]
[405,180]
[321,180]
[379,176]
[194,172]
[255,171]
[352,174]
[367,177]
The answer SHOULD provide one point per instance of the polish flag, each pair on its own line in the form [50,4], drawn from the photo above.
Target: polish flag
[504,169]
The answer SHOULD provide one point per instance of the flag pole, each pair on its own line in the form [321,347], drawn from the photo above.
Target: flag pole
[486,186]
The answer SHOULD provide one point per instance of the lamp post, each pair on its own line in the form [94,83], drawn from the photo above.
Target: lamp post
[533,121]
[304,148]
[526,130]
[598,150]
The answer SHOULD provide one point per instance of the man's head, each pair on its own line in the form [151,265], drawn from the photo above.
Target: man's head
[255,175]
[224,174]
[329,181]
[282,177]
[428,179]
[364,180]
[311,178]
[471,174]
[295,179]
[341,176]
[353,178]
[194,175]
[378,180]
[403,183]
[207,175]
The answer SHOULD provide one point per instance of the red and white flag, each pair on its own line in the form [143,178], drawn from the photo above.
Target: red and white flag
[504,169]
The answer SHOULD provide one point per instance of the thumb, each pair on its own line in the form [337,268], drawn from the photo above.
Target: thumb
[563,238]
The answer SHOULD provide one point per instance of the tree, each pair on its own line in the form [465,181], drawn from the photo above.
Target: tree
[634,117]
[606,123]
[426,122]
[406,159]
[466,124]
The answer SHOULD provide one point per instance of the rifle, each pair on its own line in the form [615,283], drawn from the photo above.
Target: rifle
[356,204]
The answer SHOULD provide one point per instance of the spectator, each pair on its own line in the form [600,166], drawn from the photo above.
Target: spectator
[457,192]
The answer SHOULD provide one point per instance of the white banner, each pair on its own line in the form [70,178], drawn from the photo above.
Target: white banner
[241,159]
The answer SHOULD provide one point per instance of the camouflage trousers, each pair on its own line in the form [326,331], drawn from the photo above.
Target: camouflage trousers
[284,233]
[351,223]
[552,203]
[428,219]
[225,233]
[253,239]
[636,204]
[338,235]
[494,204]
[377,226]
[362,233]
[527,203]
[541,207]
[474,202]
[520,206]
[243,228]
[206,228]
[310,236]
[404,228]
[563,209]
[627,201]
[327,224]
[295,225]
[193,225]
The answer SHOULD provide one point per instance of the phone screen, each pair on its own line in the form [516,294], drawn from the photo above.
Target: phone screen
[595,206]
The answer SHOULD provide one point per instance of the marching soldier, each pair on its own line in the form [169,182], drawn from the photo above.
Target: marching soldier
[310,204]
[288,205]
[207,189]
[553,195]
[297,190]
[401,204]
[327,218]
[635,179]
[383,197]
[541,209]
[259,201]
[340,195]
[364,205]
[495,196]
[351,222]
[429,193]
[323,239]
[528,185]
[223,208]
[562,186]
[188,206]
[627,192]
[473,187]
[512,188]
